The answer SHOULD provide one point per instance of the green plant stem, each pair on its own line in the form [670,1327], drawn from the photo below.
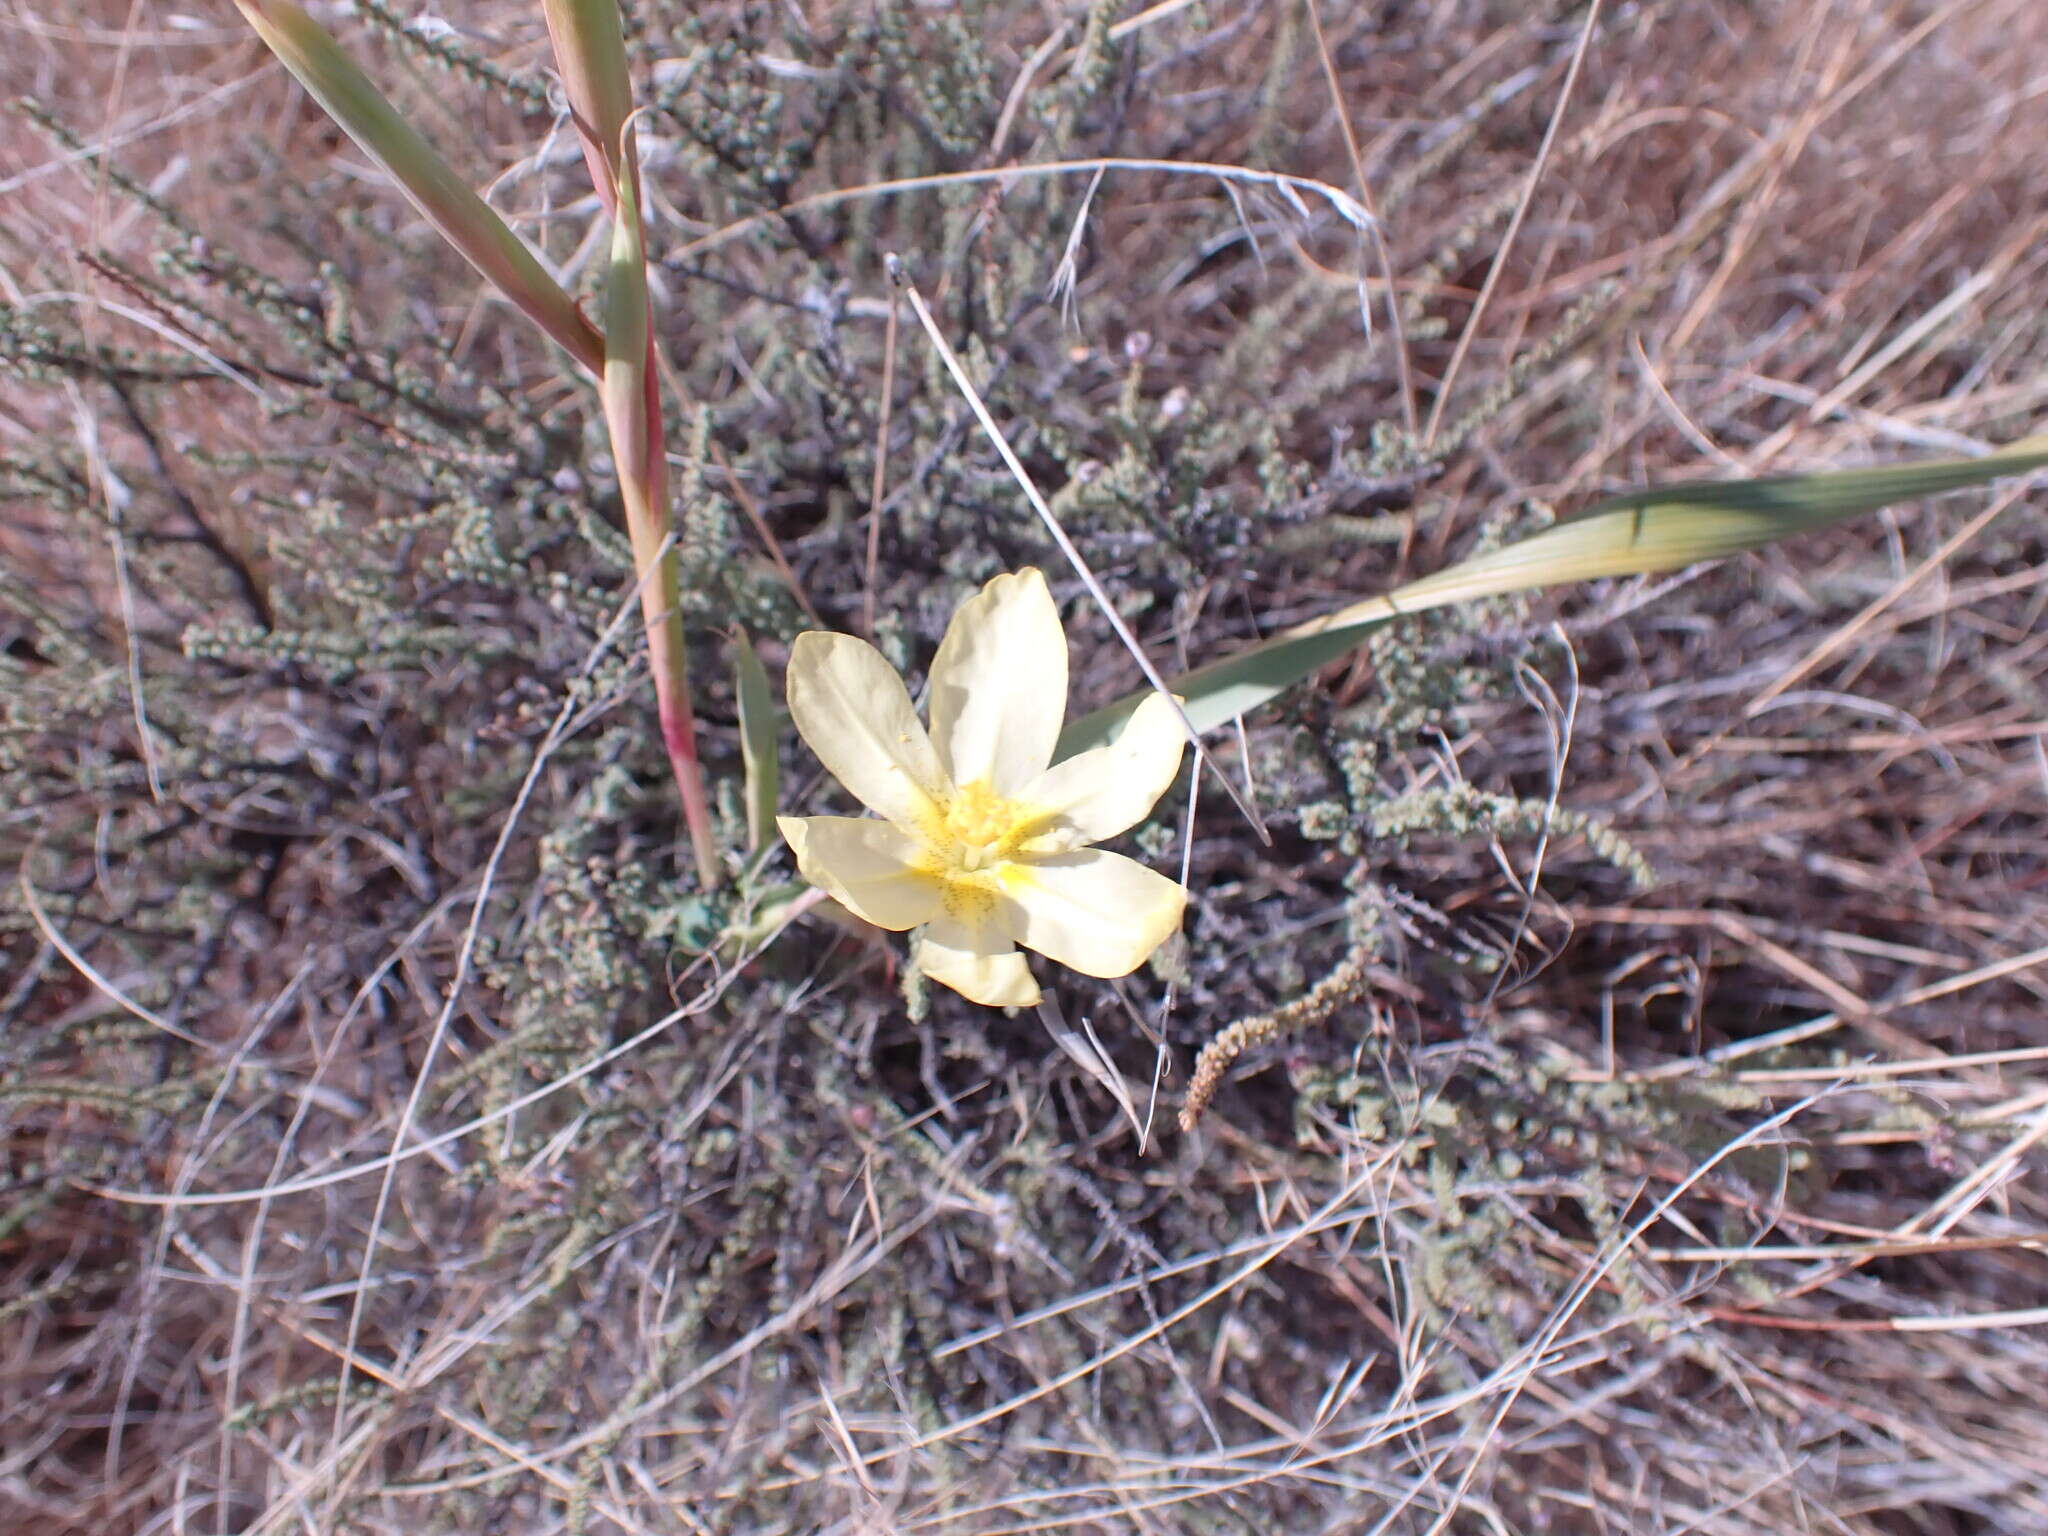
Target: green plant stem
[667,648]
[591,54]
[633,415]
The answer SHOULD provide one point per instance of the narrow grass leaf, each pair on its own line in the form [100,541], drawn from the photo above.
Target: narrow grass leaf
[628,328]
[758,756]
[447,201]
[1639,534]
[590,53]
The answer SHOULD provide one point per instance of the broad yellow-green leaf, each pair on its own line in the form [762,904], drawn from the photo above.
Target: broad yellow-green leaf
[448,202]
[1638,534]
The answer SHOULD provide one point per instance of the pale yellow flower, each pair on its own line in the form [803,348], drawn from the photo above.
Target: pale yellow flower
[984,839]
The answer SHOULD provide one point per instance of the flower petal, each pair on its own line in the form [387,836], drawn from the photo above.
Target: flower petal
[1097,912]
[1098,794]
[999,684]
[974,957]
[854,712]
[869,867]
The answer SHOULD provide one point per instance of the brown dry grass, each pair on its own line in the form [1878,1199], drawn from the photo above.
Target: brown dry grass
[1820,1305]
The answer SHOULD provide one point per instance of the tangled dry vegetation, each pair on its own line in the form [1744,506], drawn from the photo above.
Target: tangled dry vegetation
[1641,1122]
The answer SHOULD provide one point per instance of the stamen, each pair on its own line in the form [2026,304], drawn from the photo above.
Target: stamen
[976,832]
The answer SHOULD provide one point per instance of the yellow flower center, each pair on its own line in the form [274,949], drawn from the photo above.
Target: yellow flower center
[971,843]
[977,831]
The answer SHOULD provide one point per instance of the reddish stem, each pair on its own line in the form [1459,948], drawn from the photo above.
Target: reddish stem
[660,598]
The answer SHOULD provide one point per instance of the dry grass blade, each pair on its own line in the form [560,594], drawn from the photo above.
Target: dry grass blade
[1298,192]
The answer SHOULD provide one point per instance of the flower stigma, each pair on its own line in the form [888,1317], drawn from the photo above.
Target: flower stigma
[979,830]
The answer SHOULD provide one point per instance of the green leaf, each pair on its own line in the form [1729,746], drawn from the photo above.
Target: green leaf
[590,53]
[1661,529]
[757,740]
[448,202]
[628,331]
